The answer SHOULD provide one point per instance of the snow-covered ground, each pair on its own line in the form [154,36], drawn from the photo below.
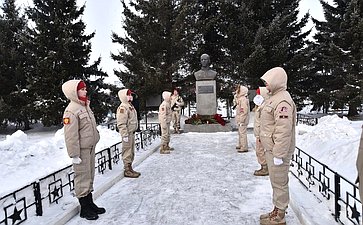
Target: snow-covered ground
[28,157]
[203,181]
[204,175]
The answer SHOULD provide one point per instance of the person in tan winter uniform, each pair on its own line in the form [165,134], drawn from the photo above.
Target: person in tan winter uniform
[260,100]
[81,137]
[359,165]
[127,125]
[242,117]
[164,120]
[277,136]
[177,103]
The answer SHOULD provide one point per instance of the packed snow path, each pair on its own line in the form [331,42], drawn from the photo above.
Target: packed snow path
[203,181]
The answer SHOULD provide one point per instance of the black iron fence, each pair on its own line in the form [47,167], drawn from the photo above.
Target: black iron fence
[341,195]
[306,119]
[39,195]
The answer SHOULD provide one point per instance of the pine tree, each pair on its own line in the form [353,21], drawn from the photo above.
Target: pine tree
[351,46]
[13,67]
[61,52]
[279,41]
[337,56]
[217,28]
[151,51]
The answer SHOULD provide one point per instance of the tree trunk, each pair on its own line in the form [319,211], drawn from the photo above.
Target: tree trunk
[352,110]
[26,124]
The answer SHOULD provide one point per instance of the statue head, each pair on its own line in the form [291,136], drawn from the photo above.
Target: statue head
[205,73]
[205,60]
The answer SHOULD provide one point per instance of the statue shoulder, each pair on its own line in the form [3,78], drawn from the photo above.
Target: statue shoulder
[199,72]
[205,74]
[212,72]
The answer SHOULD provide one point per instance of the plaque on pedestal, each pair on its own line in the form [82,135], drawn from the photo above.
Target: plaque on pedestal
[206,97]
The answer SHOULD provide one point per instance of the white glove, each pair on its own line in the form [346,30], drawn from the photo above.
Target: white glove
[278,161]
[258,100]
[125,139]
[76,160]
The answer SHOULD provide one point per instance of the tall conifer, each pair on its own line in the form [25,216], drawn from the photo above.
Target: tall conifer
[61,51]
[337,57]
[13,67]
[151,52]
[279,41]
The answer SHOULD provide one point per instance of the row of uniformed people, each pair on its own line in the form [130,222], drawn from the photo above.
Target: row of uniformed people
[276,136]
[81,137]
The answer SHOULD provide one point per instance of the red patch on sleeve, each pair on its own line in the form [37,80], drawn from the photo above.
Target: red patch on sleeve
[66,121]
[283,109]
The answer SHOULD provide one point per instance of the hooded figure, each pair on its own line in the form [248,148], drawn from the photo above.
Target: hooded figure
[81,137]
[164,120]
[277,136]
[260,99]
[127,125]
[177,103]
[242,117]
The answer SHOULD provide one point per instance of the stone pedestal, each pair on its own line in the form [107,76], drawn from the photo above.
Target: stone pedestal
[207,128]
[206,97]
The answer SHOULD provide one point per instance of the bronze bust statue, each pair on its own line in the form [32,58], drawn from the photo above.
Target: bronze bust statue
[205,73]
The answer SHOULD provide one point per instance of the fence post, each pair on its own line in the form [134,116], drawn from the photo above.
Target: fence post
[337,196]
[109,158]
[141,140]
[38,199]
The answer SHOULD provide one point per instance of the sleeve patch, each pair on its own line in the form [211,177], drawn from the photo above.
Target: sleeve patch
[66,120]
[122,110]
[283,109]
[162,109]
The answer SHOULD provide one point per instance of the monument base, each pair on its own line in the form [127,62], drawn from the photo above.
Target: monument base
[207,128]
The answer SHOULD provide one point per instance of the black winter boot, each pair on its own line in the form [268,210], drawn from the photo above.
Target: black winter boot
[86,211]
[93,206]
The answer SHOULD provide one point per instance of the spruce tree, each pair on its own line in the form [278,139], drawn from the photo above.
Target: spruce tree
[337,56]
[217,28]
[13,67]
[61,51]
[351,46]
[279,41]
[151,52]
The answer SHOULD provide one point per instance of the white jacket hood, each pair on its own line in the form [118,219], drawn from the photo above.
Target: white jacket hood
[122,94]
[69,89]
[276,78]
[243,91]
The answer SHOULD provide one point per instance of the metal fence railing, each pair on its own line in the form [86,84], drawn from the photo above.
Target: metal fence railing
[306,119]
[38,196]
[340,194]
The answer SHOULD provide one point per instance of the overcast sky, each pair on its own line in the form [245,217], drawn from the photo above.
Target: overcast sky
[104,16]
